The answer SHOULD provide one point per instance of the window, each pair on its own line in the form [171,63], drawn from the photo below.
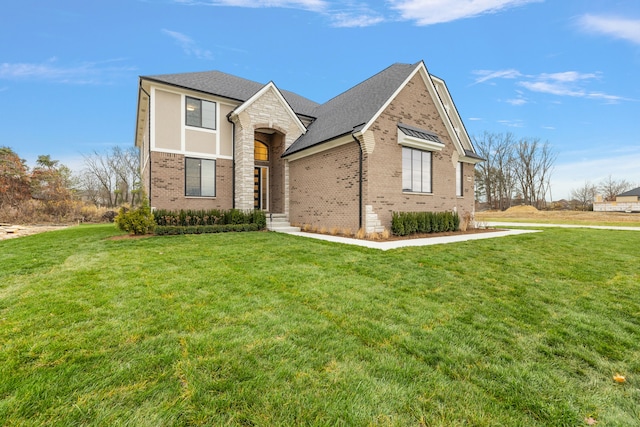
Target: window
[459,180]
[200,113]
[260,151]
[200,177]
[416,170]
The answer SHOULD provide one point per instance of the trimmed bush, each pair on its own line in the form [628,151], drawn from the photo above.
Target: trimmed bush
[406,223]
[190,217]
[172,230]
[136,221]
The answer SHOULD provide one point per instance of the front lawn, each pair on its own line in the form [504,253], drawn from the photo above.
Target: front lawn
[268,329]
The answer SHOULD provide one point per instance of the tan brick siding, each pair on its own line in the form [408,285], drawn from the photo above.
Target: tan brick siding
[324,188]
[383,179]
[167,180]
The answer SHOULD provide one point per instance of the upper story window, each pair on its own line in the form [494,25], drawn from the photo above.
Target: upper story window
[200,113]
[260,151]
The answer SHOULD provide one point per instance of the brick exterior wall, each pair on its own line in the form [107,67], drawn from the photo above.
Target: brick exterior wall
[383,165]
[167,181]
[324,188]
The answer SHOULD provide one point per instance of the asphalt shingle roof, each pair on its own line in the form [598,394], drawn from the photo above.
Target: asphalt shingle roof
[340,115]
[231,87]
[634,192]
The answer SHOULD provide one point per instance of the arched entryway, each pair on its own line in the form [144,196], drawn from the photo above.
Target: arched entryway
[269,171]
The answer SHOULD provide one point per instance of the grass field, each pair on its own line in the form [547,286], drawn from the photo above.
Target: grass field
[530,214]
[268,329]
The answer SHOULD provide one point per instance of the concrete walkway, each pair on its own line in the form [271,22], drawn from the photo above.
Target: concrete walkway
[395,244]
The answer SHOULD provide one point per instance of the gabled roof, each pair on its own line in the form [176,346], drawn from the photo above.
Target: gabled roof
[231,87]
[357,106]
[634,192]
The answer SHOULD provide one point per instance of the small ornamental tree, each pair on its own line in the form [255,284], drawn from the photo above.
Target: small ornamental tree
[136,221]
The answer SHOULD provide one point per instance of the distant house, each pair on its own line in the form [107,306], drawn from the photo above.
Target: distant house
[628,201]
[394,142]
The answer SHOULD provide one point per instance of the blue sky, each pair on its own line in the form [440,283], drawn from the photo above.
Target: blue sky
[564,71]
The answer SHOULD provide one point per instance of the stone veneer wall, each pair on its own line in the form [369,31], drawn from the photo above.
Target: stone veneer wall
[266,112]
[168,184]
[324,188]
[383,165]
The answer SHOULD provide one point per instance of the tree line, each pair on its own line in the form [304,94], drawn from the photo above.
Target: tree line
[51,191]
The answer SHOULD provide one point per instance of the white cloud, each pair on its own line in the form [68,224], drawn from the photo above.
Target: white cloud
[100,72]
[348,20]
[428,12]
[517,101]
[512,123]
[486,75]
[567,83]
[312,5]
[621,28]
[188,45]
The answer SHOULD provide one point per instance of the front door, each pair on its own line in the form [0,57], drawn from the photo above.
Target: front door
[261,188]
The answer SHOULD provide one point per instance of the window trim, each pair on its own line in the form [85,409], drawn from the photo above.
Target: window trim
[201,107]
[411,172]
[186,171]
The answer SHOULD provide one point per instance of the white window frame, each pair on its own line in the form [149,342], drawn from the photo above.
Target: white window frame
[206,176]
[413,171]
[207,113]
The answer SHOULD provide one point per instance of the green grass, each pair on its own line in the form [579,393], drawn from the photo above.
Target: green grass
[268,329]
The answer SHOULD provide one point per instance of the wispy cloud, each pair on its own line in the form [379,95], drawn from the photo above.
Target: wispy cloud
[621,28]
[188,45]
[313,5]
[99,72]
[429,12]
[486,75]
[567,83]
[518,123]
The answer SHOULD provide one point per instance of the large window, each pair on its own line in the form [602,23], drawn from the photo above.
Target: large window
[200,177]
[459,180]
[200,113]
[416,170]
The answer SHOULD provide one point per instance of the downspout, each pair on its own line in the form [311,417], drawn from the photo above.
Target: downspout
[149,140]
[233,162]
[360,198]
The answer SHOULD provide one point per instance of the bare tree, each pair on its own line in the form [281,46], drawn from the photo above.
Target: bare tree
[494,176]
[609,188]
[533,165]
[584,196]
[113,177]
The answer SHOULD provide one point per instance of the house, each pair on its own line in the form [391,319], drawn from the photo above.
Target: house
[394,142]
[628,201]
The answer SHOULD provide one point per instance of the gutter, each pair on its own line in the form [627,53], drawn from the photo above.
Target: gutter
[233,163]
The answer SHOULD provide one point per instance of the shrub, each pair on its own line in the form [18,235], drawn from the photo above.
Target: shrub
[136,221]
[192,217]
[172,230]
[406,223]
